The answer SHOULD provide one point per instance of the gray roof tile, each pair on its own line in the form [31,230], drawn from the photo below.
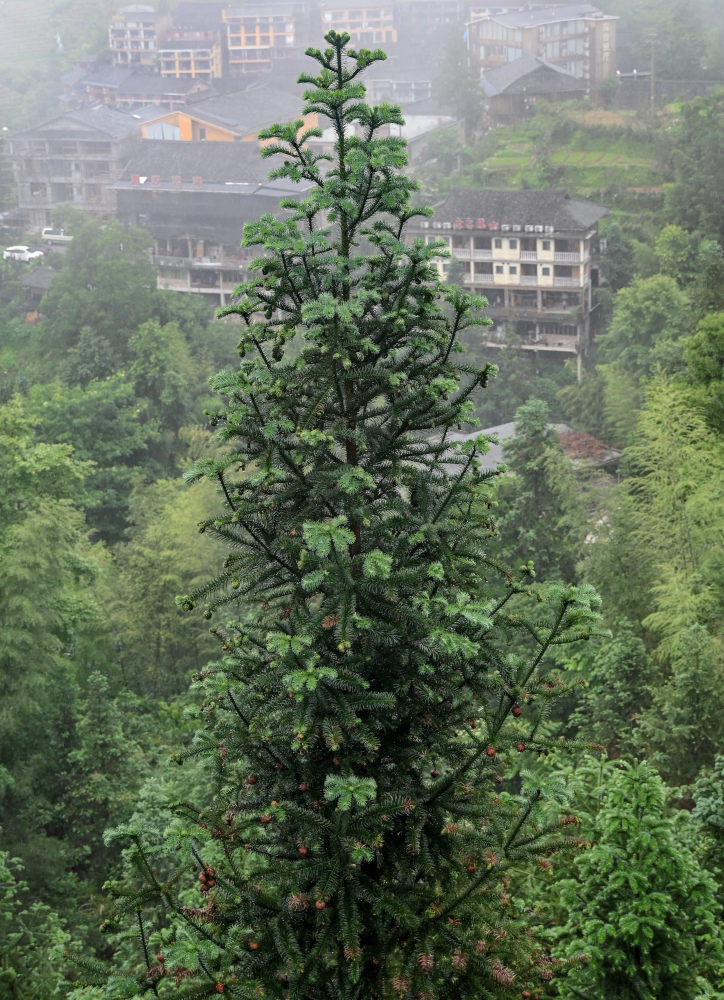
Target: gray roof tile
[520,207]
[249,110]
[530,73]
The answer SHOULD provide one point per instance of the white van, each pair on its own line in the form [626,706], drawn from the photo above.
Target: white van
[49,235]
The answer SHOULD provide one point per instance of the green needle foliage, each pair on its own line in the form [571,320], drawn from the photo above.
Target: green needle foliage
[374,670]
[645,909]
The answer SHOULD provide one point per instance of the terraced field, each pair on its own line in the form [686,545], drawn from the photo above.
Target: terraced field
[601,150]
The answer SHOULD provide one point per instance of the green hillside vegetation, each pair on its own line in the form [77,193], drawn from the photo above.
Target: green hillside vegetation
[586,151]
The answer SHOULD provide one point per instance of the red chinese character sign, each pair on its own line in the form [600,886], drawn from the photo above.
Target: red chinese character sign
[474,224]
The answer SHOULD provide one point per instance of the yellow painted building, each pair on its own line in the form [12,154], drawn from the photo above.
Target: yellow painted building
[531,254]
[190,58]
[186,127]
[368,24]
[257,34]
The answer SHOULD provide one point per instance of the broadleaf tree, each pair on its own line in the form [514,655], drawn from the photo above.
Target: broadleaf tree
[374,670]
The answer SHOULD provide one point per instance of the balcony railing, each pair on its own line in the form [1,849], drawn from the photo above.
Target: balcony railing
[528,255]
[566,283]
[529,279]
[467,254]
[225,263]
[567,258]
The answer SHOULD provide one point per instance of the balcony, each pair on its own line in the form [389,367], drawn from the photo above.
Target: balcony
[461,254]
[528,255]
[567,258]
[226,263]
[529,279]
[567,283]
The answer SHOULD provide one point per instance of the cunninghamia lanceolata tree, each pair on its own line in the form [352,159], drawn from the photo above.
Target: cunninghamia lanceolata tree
[374,673]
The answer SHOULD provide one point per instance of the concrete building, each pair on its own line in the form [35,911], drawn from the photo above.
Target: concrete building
[576,37]
[190,56]
[192,48]
[71,159]
[133,35]
[260,33]
[369,24]
[403,78]
[531,254]
[194,198]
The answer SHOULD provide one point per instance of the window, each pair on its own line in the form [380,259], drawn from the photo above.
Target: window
[513,244]
[498,268]
[545,244]
[498,244]
[545,271]
[513,268]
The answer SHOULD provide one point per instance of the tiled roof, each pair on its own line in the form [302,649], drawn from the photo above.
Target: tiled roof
[582,449]
[216,162]
[266,7]
[39,278]
[108,122]
[521,207]
[250,110]
[345,5]
[198,16]
[105,76]
[533,16]
[155,85]
[400,65]
[529,73]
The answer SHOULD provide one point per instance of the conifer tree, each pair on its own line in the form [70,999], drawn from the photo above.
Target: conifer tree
[374,672]
[639,902]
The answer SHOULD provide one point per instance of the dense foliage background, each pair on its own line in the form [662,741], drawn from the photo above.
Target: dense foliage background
[103,403]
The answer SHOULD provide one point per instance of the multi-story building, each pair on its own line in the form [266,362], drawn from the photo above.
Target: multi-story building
[133,35]
[576,37]
[369,23]
[192,47]
[531,254]
[194,198]
[71,159]
[262,32]
[398,80]
[191,58]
